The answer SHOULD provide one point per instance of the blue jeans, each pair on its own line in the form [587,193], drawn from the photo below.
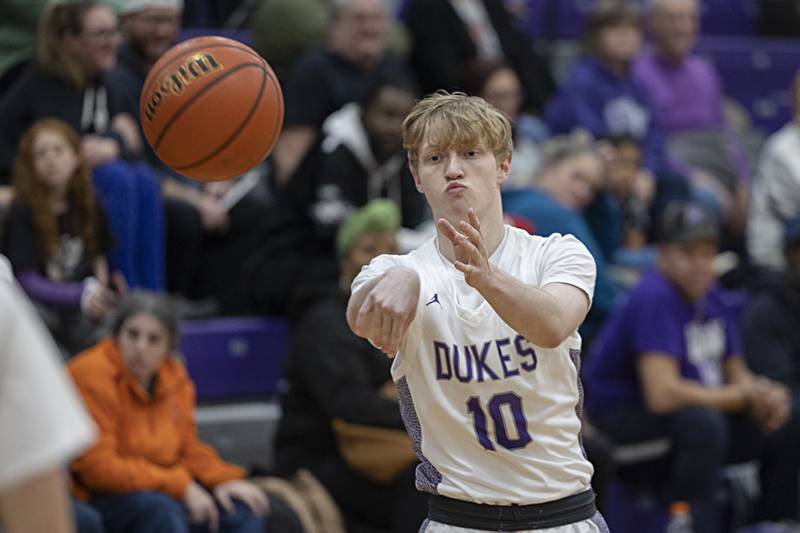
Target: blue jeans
[131,196]
[156,512]
[87,519]
[703,441]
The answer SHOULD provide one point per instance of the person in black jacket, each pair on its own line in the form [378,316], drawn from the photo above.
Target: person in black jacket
[327,77]
[362,158]
[340,387]
[77,47]
[771,321]
[207,234]
[449,35]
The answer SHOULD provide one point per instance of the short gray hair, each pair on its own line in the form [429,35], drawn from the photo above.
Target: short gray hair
[562,147]
[156,305]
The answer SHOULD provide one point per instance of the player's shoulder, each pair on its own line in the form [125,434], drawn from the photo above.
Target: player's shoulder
[384,262]
[553,243]
[424,251]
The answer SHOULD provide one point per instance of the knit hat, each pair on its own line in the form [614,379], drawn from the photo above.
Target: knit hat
[377,216]
[132,6]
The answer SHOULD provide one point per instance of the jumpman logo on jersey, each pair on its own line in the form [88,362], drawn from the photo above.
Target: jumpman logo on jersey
[435,300]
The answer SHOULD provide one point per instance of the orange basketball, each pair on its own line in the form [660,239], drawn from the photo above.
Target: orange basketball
[211,108]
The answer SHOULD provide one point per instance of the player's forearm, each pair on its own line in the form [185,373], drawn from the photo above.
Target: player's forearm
[400,279]
[532,312]
[357,300]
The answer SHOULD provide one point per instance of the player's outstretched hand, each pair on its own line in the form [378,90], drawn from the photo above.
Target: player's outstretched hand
[472,257]
[388,310]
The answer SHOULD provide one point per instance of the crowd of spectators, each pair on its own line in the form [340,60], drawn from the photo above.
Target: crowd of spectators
[632,151]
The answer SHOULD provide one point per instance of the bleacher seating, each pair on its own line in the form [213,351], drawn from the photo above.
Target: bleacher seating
[564,19]
[757,72]
[237,358]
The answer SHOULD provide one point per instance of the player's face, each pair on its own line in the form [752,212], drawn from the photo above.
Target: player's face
[675,25]
[144,343]
[383,120]
[153,31]
[54,160]
[97,44]
[690,266]
[620,43]
[455,179]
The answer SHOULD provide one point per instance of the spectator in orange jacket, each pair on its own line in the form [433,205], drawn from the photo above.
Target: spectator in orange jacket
[149,472]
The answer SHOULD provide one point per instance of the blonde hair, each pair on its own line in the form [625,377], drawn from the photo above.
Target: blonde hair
[563,147]
[456,120]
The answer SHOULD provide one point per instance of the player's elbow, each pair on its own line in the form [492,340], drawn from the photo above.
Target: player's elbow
[550,339]
[553,333]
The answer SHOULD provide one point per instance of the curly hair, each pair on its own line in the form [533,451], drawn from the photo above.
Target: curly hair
[35,193]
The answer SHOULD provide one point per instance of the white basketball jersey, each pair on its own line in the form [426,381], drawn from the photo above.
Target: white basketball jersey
[494,418]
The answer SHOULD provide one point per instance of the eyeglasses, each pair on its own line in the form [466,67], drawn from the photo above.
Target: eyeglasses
[101,34]
[158,20]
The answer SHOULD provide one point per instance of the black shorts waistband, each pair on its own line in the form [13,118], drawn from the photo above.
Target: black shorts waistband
[471,515]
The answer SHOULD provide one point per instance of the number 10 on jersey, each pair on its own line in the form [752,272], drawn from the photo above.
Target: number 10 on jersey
[494,405]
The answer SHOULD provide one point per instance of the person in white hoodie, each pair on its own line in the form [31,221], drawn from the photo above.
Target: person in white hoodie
[363,158]
[776,191]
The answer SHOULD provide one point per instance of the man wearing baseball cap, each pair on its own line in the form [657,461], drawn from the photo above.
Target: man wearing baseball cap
[668,365]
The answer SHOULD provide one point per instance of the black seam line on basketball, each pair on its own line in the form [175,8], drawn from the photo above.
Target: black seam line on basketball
[197,95]
[169,66]
[279,93]
[279,118]
[238,130]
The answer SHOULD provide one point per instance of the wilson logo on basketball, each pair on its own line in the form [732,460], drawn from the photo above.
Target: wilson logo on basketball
[196,67]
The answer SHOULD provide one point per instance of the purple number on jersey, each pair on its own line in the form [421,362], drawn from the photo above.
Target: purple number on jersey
[501,433]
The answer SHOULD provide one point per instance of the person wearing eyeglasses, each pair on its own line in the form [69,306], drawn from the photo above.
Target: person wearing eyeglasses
[77,45]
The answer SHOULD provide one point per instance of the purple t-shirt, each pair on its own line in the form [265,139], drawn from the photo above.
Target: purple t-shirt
[684,96]
[656,318]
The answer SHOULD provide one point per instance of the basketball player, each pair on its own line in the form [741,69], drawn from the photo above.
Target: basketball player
[482,323]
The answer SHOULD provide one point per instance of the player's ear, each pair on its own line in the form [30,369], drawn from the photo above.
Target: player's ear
[413,170]
[503,169]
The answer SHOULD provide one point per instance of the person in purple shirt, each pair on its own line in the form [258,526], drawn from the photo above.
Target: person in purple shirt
[668,364]
[687,99]
[600,93]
